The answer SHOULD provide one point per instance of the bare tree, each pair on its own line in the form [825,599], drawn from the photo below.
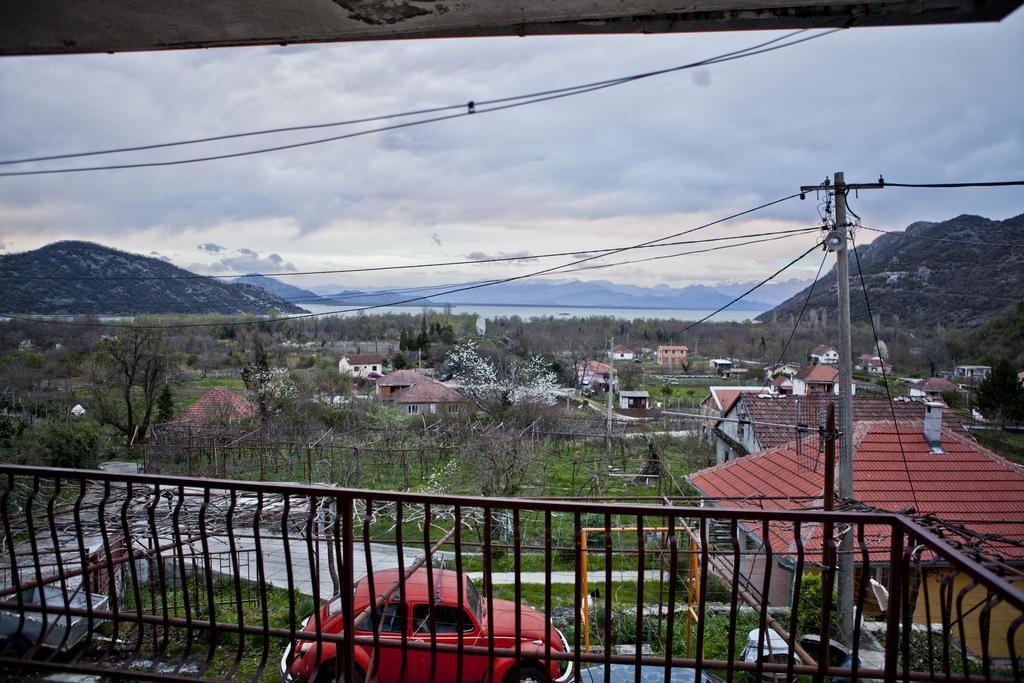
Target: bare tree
[128,372]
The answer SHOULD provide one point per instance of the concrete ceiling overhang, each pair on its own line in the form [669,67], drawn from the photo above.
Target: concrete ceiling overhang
[75,26]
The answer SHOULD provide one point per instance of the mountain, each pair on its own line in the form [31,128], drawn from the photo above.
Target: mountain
[75,278]
[773,293]
[543,292]
[957,273]
[279,289]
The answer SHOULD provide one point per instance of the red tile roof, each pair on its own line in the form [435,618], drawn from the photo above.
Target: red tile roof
[966,483]
[428,391]
[934,384]
[218,405]
[785,409]
[402,378]
[818,373]
[365,359]
[821,349]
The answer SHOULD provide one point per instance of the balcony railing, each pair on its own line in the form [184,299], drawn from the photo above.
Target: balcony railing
[156,577]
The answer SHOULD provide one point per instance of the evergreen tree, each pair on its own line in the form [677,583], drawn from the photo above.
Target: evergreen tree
[399,362]
[165,405]
[1000,396]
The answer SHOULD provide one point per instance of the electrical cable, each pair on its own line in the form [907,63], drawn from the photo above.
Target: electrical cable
[799,318]
[383,117]
[464,286]
[994,183]
[885,379]
[472,110]
[943,239]
[544,271]
[752,289]
[411,266]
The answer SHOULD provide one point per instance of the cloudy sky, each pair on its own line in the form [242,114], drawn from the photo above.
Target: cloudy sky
[600,170]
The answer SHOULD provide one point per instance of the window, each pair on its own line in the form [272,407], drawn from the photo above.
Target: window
[412,408]
[446,617]
[453,408]
[391,621]
[473,598]
[374,368]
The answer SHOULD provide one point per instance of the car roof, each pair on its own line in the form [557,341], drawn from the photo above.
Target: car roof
[445,586]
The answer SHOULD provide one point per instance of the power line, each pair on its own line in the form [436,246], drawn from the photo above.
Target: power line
[796,325]
[473,284]
[472,109]
[885,379]
[752,289]
[460,289]
[410,266]
[384,117]
[994,183]
[943,239]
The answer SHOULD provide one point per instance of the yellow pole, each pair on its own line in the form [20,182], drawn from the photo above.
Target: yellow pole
[586,592]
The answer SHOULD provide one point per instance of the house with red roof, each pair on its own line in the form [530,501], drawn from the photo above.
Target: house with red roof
[367,365]
[671,354]
[414,393]
[823,354]
[218,406]
[816,379]
[931,389]
[921,464]
[720,400]
[595,375]
[621,352]
[873,365]
[758,420]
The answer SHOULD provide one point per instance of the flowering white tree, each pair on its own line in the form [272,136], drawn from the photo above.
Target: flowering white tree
[269,388]
[492,388]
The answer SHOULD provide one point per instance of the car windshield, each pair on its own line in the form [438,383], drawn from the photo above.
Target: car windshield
[474,599]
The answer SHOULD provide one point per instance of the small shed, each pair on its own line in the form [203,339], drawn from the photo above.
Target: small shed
[633,400]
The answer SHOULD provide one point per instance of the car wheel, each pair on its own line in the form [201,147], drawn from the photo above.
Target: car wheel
[531,675]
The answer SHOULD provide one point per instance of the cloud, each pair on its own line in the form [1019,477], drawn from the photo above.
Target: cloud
[160,256]
[609,168]
[245,260]
[519,256]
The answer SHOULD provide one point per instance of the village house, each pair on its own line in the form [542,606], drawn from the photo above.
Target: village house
[931,389]
[218,406]
[596,376]
[873,365]
[633,400]
[754,419]
[921,465]
[721,366]
[816,379]
[414,393]
[970,374]
[369,365]
[620,352]
[824,355]
[671,354]
[720,401]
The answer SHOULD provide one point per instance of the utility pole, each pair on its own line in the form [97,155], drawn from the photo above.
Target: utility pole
[837,242]
[611,392]
[845,578]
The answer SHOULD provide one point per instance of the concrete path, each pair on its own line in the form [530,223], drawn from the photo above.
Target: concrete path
[593,576]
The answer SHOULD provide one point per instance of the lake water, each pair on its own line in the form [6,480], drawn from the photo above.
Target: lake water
[489,312]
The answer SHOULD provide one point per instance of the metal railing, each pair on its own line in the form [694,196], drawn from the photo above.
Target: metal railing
[156,577]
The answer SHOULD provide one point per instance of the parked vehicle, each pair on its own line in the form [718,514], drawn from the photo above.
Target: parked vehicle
[408,613]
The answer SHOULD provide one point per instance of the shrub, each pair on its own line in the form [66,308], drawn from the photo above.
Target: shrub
[73,444]
[809,605]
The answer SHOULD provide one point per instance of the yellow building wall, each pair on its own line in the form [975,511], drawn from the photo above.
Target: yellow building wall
[1002,615]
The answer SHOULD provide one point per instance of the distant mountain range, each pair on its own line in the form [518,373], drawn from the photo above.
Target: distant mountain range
[549,292]
[81,278]
[957,273]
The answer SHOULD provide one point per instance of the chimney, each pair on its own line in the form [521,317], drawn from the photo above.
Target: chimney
[933,425]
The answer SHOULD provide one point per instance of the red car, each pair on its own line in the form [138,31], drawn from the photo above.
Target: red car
[409,614]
